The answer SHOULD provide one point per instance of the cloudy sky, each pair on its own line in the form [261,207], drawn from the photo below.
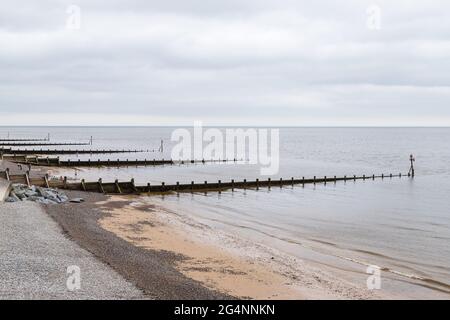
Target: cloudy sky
[228,62]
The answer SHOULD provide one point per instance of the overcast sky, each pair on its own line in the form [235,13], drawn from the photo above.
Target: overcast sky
[230,62]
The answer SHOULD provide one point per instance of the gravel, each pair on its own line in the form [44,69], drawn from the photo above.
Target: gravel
[153,271]
[35,255]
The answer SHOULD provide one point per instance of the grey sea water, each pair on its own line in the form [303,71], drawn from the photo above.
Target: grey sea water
[401,225]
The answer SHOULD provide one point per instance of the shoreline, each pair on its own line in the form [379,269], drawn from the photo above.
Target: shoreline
[216,263]
[132,233]
[151,271]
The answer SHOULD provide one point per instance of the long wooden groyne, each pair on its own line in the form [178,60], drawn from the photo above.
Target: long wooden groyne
[56,162]
[23,140]
[21,152]
[35,144]
[129,187]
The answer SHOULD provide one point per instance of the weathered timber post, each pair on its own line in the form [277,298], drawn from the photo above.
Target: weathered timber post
[117,186]
[281,182]
[354,177]
[46,180]
[257,184]
[325,179]
[292,181]
[364,177]
[220,185]
[27,178]
[314,179]
[83,185]
[133,185]
[232,184]
[245,184]
[100,185]
[411,169]
[268,182]
[192,186]
[65,182]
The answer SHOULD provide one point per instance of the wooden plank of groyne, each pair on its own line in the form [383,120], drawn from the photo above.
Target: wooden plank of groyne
[9,151]
[131,188]
[33,144]
[22,140]
[104,163]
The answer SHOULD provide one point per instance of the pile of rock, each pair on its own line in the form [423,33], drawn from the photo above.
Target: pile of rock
[21,192]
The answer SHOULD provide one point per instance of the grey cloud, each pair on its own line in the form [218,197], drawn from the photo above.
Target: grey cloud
[254,60]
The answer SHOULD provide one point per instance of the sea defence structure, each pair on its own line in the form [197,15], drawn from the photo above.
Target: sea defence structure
[34,144]
[22,140]
[56,162]
[130,187]
[20,152]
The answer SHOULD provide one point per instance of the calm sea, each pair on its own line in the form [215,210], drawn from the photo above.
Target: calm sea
[401,225]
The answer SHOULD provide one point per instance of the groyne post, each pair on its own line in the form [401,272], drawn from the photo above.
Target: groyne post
[117,186]
[100,186]
[411,169]
[46,180]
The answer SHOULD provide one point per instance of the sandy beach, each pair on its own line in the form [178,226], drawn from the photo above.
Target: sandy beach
[172,256]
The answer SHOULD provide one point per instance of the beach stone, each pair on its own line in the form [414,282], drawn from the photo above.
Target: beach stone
[76,200]
[10,199]
[14,196]
[19,191]
[30,193]
[37,194]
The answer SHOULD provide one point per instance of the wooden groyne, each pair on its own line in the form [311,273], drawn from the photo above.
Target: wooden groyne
[23,140]
[20,152]
[129,187]
[35,144]
[27,179]
[56,162]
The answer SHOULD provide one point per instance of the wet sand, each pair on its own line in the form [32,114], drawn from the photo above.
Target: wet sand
[211,265]
[170,256]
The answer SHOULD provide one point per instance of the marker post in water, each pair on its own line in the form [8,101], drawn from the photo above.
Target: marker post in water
[411,169]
